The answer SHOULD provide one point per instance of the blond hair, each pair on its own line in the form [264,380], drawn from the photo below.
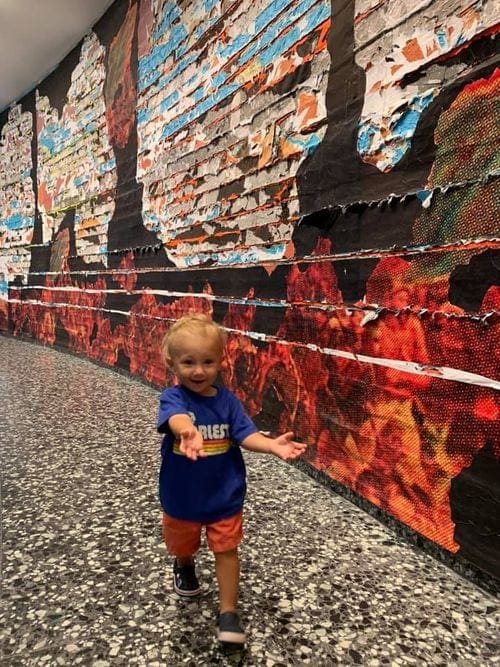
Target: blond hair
[196,323]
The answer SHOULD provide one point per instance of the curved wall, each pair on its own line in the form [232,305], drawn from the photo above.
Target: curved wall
[320,177]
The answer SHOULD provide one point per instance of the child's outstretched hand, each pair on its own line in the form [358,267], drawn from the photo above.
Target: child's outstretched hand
[286,448]
[191,443]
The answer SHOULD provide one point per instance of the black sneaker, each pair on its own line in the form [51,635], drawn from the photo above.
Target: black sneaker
[229,630]
[186,582]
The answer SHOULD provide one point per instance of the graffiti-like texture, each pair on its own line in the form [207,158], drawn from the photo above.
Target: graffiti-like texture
[231,99]
[404,75]
[17,201]
[320,177]
[76,164]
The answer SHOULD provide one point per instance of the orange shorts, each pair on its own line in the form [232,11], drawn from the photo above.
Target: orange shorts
[183,538]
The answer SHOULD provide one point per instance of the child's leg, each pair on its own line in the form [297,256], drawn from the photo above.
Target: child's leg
[182,539]
[223,539]
[230,631]
[184,560]
[227,569]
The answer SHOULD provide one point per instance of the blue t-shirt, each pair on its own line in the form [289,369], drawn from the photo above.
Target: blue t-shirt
[213,487]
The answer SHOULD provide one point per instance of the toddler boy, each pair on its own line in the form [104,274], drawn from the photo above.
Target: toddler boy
[202,474]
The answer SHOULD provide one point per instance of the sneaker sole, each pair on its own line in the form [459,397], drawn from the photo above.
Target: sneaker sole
[230,638]
[187,594]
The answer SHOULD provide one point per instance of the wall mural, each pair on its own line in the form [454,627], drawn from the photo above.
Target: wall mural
[322,178]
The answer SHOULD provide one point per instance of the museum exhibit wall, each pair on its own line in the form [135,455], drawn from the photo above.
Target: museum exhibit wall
[321,178]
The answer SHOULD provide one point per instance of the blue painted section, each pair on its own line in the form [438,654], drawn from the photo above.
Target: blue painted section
[424,195]
[423,101]
[198,94]
[269,36]
[107,166]
[148,65]
[53,137]
[279,47]
[441,37]
[189,82]
[175,125]
[210,4]
[402,129]
[406,124]
[400,152]
[270,13]
[307,144]
[227,51]
[273,46]
[171,13]
[80,180]
[169,101]
[219,79]
[144,115]
[365,138]
[214,213]
[177,70]
[47,141]
[17,221]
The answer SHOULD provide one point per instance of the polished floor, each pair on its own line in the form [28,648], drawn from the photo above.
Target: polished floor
[86,580]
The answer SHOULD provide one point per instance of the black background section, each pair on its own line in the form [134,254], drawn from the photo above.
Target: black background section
[475,509]
[126,228]
[470,282]
[56,85]
[360,227]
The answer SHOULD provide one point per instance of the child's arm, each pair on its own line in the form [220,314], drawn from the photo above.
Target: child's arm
[190,439]
[283,446]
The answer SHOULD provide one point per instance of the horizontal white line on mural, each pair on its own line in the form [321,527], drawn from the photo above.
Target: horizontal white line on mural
[393,251]
[414,368]
[441,372]
[372,310]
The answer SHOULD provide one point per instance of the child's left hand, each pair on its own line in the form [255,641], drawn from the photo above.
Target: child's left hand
[286,448]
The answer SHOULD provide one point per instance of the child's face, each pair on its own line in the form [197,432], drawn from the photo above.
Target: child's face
[196,360]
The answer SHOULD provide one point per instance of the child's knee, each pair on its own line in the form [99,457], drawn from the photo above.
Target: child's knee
[229,554]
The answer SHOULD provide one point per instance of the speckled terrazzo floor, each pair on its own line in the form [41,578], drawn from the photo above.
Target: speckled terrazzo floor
[86,580]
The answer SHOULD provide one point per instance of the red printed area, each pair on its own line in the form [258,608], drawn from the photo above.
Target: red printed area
[4,315]
[395,437]
[120,84]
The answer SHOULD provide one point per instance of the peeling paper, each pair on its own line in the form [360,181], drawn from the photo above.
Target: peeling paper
[76,162]
[220,129]
[371,311]
[391,112]
[441,372]
[17,197]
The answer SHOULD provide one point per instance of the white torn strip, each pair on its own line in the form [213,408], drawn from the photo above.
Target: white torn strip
[371,310]
[441,372]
